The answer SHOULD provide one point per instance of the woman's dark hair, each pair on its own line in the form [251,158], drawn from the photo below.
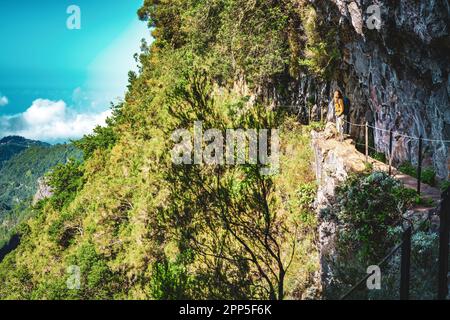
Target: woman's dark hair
[338,92]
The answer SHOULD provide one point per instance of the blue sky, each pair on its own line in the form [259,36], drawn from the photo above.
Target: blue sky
[65,77]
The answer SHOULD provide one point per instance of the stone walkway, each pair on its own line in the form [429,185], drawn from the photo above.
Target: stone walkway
[356,162]
[342,157]
[427,192]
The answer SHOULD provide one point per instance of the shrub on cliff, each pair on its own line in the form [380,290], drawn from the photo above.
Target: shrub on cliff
[366,208]
[153,229]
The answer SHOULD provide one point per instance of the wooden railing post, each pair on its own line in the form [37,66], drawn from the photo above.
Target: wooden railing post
[391,142]
[367,142]
[443,246]
[405,265]
[419,166]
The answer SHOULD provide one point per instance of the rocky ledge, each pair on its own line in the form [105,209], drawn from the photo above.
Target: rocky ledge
[334,162]
[43,191]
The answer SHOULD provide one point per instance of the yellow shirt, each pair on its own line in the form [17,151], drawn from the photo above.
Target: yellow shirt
[339,107]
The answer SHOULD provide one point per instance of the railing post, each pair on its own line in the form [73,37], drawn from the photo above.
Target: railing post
[419,166]
[405,265]
[391,140]
[321,113]
[367,142]
[310,115]
[347,125]
[443,245]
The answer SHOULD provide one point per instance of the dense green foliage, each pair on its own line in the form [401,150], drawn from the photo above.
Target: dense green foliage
[128,223]
[321,52]
[369,213]
[103,138]
[428,175]
[10,146]
[367,208]
[19,180]
[19,175]
[65,180]
[136,225]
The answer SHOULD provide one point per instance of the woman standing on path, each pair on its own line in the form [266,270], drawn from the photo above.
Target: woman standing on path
[339,112]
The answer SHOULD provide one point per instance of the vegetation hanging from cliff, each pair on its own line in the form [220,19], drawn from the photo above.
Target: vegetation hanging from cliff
[321,53]
[369,212]
[136,225]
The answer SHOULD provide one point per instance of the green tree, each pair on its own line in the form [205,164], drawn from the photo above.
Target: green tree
[65,180]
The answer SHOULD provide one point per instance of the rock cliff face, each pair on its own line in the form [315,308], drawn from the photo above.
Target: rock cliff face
[44,191]
[397,74]
[334,161]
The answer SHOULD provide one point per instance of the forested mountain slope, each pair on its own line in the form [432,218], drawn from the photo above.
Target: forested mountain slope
[130,223]
[10,146]
[139,226]
[20,174]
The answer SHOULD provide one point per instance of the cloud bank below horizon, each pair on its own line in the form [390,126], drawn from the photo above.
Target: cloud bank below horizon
[51,121]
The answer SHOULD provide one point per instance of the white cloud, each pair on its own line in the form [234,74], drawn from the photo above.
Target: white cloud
[51,121]
[43,112]
[3,100]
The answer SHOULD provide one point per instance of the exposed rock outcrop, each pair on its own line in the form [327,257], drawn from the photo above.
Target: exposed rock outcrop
[44,191]
[334,161]
[398,74]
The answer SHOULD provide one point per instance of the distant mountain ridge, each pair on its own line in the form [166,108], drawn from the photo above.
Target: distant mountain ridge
[21,140]
[23,162]
[12,145]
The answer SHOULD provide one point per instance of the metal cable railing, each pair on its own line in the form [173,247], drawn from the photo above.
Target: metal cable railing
[380,264]
[396,133]
[390,153]
[403,269]
[422,275]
